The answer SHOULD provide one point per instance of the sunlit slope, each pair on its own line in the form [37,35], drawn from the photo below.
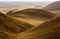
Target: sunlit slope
[10,26]
[48,30]
[32,15]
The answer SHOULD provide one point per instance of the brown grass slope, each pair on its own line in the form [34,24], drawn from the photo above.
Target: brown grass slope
[53,6]
[10,26]
[47,30]
[32,13]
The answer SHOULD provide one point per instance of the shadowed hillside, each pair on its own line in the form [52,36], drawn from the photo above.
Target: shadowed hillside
[10,26]
[32,15]
[47,30]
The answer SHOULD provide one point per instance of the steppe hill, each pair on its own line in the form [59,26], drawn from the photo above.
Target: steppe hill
[47,30]
[53,7]
[11,27]
[32,15]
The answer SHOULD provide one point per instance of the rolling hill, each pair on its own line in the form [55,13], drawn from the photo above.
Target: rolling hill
[10,26]
[47,30]
[53,6]
[31,15]
[31,12]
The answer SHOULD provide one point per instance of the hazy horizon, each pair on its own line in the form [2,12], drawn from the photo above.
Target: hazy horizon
[38,3]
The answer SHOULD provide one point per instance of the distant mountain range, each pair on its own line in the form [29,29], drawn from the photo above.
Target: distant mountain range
[53,6]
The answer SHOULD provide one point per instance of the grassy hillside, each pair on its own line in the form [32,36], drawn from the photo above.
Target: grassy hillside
[10,26]
[32,15]
[47,30]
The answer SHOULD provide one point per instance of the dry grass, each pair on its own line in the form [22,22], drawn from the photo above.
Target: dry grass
[32,16]
[47,30]
[10,26]
[23,25]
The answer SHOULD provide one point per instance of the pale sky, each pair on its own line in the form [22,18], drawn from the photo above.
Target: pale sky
[28,0]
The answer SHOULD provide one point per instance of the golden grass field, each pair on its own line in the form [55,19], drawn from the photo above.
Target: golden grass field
[30,23]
